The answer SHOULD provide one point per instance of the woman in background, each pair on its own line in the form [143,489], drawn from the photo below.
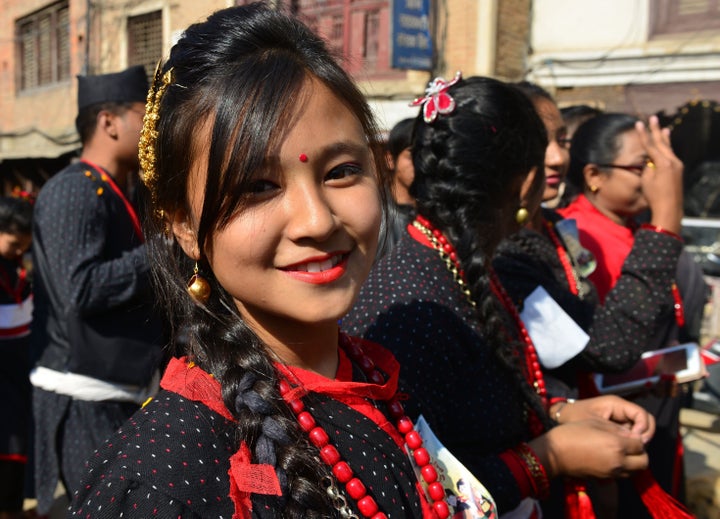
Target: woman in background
[266,184]
[469,369]
[617,173]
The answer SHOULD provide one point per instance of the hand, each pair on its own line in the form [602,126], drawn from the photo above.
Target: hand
[612,408]
[662,183]
[590,448]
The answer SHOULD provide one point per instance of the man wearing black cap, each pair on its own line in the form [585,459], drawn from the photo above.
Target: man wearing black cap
[94,328]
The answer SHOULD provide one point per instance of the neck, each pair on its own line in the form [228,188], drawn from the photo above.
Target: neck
[536,222]
[313,348]
[113,167]
[593,199]
[401,195]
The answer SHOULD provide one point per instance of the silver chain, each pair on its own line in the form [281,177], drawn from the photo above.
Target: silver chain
[338,499]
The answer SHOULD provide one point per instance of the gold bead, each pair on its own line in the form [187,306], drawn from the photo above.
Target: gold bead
[522,215]
[199,288]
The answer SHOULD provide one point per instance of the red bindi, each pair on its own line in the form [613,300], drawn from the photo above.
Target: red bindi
[303,157]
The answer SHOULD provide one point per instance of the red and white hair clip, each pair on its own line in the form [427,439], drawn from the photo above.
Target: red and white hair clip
[437,100]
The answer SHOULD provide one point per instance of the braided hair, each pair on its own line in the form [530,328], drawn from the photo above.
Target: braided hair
[240,72]
[469,168]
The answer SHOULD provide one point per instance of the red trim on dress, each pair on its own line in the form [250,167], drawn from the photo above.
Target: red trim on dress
[104,175]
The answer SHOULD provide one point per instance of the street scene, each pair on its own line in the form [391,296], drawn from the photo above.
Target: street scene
[360,258]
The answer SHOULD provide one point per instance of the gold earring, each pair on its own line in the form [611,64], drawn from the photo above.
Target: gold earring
[521,216]
[594,189]
[198,287]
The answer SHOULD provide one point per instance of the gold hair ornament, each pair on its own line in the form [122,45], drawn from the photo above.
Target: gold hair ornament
[149,134]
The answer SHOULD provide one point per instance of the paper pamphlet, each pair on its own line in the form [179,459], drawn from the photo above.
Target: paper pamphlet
[556,337]
[465,495]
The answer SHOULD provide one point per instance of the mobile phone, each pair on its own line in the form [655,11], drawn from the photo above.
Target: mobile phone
[683,361]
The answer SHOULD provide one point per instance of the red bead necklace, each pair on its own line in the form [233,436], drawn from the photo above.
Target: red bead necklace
[340,468]
[532,363]
[564,257]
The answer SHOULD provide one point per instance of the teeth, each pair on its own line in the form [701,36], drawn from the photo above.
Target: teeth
[319,266]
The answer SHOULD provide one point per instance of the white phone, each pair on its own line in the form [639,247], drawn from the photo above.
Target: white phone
[683,361]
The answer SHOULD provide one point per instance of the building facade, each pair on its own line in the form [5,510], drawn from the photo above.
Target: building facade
[637,56]
[47,43]
[634,56]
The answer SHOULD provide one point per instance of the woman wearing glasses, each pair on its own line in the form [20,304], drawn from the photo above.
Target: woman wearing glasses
[637,306]
[621,172]
[615,169]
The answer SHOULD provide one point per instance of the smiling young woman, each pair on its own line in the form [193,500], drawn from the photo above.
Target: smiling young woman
[266,189]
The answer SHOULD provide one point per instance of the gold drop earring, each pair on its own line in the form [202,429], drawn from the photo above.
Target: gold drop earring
[521,216]
[198,287]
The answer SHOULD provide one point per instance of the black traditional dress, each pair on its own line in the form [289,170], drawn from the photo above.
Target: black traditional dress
[473,402]
[179,456]
[91,277]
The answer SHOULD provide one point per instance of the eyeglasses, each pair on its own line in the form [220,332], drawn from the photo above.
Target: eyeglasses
[635,169]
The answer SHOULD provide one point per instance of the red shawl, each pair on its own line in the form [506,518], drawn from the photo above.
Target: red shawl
[608,241]
[190,381]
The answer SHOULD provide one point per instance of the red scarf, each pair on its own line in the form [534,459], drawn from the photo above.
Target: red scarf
[246,478]
[610,242]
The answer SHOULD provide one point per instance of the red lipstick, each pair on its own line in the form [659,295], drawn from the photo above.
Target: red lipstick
[319,270]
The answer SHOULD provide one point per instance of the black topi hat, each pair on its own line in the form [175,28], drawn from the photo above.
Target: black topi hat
[128,86]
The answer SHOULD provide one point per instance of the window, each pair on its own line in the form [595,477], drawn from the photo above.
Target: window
[673,16]
[43,47]
[145,40]
[356,30]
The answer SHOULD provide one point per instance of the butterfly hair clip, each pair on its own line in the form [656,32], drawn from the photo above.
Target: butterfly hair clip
[436,99]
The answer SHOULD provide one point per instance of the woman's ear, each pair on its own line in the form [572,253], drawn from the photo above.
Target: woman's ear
[184,231]
[594,178]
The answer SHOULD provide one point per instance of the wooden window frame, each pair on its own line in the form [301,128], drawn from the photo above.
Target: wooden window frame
[666,18]
[140,53]
[43,47]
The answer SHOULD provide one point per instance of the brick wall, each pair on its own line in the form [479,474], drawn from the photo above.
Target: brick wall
[512,39]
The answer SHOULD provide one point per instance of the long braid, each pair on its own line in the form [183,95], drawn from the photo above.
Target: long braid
[496,324]
[221,343]
[465,163]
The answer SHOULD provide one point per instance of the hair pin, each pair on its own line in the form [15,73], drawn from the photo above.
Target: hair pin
[436,99]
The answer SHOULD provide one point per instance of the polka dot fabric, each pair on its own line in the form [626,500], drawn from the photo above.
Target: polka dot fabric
[172,459]
[411,305]
[636,311]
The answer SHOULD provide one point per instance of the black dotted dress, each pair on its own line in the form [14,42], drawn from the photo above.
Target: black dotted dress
[172,458]
[636,310]
[637,316]
[411,305]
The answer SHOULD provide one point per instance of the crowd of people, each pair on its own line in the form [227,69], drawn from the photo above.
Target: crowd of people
[283,315]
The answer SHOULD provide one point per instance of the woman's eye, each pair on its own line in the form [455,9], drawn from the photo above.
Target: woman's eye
[344,171]
[260,187]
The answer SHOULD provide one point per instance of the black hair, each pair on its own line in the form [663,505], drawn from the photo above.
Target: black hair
[86,120]
[596,141]
[533,91]
[400,137]
[580,113]
[469,167]
[242,71]
[15,215]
